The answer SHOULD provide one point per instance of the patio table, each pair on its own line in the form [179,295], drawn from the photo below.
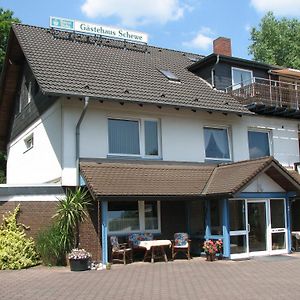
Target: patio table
[156,247]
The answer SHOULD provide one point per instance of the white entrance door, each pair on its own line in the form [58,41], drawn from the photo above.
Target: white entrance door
[257,227]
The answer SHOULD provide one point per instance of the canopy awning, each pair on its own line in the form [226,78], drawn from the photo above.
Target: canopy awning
[139,178]
[287,72]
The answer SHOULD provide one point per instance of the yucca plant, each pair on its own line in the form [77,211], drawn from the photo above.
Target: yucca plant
[71,211]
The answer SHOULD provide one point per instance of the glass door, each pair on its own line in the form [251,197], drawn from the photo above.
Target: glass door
[238,229]
[257,227]
[278,226]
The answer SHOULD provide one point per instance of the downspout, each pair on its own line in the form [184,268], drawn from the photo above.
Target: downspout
[77,149]
[213,72]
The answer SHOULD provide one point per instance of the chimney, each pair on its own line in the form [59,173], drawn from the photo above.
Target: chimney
[222,46]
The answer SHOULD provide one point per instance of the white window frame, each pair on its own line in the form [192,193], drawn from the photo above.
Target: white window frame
[270,137]
[141,122]
[26,140]
[141,208]
[227,128]
[238,83]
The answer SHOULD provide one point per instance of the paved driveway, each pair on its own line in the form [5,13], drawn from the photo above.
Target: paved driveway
[261,278]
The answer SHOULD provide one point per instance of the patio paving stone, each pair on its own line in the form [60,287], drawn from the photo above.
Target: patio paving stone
[259,278]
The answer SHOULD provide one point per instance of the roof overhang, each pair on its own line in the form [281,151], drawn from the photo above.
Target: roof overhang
[108,179]
[293,73]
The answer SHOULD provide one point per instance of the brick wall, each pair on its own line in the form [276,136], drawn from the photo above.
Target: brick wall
[89,237]
[35,214]
[222,46]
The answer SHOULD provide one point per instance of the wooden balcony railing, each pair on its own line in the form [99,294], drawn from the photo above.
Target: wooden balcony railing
[267,93]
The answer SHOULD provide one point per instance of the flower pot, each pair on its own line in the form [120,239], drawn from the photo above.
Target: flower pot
[210,256]
[79,264]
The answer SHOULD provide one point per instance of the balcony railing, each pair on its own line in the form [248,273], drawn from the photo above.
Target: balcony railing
[264,95]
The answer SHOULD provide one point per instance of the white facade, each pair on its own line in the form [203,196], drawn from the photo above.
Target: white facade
[41,162]
[181,137]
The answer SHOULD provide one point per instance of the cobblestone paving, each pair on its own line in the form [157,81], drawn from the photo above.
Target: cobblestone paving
[260,278]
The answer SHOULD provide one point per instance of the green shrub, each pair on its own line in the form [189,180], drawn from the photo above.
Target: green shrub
[17,251]
[50,246]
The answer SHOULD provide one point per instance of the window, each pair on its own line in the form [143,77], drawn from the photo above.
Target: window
[123,216]
[259,144]
[133,137]
[133,216]
[216,217]
[28,142]
[151,138]
[241,77]
[216,143]
[170,75]
[123,136]
[29,91]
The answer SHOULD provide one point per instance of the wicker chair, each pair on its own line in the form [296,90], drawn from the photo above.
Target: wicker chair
[181,243]
[119,252]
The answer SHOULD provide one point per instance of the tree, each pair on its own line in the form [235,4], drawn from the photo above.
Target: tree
[71,211]
[6,19]
[276,41]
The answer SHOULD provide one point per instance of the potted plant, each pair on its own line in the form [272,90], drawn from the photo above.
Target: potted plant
[79,260]
[219,246]
[210,250]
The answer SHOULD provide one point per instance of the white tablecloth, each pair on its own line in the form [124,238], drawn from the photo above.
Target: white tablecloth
[149,244]
[296,234]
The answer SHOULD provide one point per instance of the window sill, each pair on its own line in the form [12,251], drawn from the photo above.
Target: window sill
[125,233]
[27,149]
[132,157]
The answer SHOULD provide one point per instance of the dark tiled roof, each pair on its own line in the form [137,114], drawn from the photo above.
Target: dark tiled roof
[230,178]
[105,69]
[167,179]
[113,179]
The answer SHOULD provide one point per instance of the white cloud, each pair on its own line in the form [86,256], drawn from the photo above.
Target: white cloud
[202,40]
[248,27]
[136,12]
[279,7]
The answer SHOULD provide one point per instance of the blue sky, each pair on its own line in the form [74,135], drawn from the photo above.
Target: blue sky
[188,25]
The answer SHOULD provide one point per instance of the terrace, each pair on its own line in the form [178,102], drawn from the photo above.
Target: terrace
[271,97]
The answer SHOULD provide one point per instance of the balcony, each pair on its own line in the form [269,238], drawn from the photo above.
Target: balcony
[271,97]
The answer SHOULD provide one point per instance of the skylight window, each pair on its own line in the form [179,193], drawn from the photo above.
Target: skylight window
[171,76]
[193,58]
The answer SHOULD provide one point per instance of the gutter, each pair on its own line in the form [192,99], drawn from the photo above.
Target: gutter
[213,72]
[77,141]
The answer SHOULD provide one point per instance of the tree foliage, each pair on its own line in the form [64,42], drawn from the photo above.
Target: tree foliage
[71,211]
[6,19]
[276,41]
[17,251]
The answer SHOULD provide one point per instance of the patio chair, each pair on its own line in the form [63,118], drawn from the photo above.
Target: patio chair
[181,243]
[119,252]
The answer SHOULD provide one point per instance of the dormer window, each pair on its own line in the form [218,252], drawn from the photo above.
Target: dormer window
[170,75]
[241,77]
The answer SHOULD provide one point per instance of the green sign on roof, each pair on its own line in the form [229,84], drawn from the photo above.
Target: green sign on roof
[62,23]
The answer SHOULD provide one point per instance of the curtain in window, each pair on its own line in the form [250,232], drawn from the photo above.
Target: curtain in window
[151,216]
[258,144]
[216,143]
[151,138]
[123,136]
